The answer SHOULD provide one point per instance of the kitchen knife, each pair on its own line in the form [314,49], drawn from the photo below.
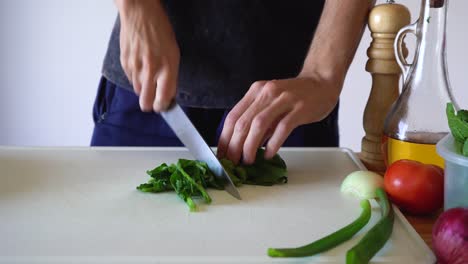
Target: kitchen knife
[188,134]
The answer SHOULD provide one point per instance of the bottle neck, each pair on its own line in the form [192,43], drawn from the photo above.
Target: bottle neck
[433,37]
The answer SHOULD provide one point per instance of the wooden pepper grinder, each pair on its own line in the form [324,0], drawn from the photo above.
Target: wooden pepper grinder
[385,20]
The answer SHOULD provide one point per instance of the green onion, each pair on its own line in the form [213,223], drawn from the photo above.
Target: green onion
[376,237]
[329,241]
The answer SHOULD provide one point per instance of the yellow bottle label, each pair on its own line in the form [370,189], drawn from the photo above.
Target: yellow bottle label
[425,153]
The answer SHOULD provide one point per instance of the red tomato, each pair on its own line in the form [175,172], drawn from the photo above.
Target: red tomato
[415,187]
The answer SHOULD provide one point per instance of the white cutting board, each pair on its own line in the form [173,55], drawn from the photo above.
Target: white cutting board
[80,205]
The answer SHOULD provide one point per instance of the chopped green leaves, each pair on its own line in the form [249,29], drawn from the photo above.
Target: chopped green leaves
[190,178]
[187,178]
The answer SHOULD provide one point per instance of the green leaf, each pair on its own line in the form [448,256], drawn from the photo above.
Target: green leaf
[463,115]
[465,148]
[266,175]
[162,171]
[276,161]
[266,172]
[159,181]
[241,173]
[195,187]
[212,181]
[230,169]
[458,127]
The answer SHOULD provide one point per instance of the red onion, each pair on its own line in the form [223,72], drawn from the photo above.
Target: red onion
[450,236]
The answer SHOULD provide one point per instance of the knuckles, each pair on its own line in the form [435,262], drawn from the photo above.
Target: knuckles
[272,89]
[241,127]
[256,86]
[259,123]
[300,105]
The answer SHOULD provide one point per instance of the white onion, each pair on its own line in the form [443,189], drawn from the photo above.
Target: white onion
[362,184]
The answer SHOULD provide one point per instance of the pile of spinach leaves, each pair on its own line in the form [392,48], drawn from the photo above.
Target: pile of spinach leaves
[190,178]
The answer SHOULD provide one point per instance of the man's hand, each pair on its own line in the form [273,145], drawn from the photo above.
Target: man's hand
[148,52]
[272,109]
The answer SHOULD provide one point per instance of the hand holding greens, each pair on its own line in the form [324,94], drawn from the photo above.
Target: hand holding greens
[190,178]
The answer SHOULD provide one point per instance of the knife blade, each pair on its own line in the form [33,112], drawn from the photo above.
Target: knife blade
[178,121]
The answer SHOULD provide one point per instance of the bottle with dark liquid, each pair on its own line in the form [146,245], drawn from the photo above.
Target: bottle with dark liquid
[417,120]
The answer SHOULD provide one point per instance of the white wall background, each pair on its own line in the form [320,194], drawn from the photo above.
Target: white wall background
[51,53]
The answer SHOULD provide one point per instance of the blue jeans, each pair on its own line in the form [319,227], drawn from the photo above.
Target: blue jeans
[120,122]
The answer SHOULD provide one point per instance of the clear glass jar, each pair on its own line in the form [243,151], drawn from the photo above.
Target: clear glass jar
[417,120]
